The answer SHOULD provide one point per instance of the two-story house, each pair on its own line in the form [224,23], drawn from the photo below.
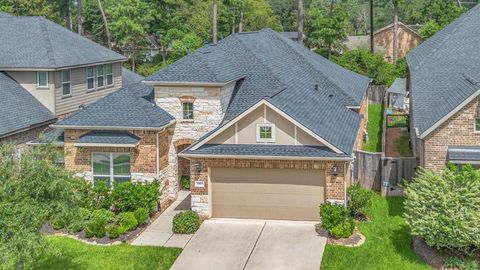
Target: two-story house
[444,85]
[48,72]
[263,127]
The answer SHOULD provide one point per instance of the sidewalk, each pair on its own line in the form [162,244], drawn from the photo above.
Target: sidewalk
[159,233]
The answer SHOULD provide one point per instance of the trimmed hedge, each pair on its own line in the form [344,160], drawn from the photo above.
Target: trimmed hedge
[359,200]
[336,221]
[186,222]
[127,221]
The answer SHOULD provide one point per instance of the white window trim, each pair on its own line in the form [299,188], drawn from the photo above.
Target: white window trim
[475,125]
[69,82]
[111,176]
[38,80]
[103,77]
[183,111]
[111,73]
[272,126]
[93,77]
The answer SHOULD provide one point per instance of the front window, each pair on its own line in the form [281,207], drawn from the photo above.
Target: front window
[477,124]
[90,78]
[109,74]
[100,81]
[265,133]
[187,110]
[66,82]
[42,79]
[111,168]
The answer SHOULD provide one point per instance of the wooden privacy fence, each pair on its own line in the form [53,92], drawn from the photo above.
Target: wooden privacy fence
[376,93]
[398,169]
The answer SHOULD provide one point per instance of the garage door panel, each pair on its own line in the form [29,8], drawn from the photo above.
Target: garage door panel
[267,193]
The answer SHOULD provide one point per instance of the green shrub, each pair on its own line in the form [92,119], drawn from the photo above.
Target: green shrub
[97,222]
[185,182]
[60,219]
[127,221]
[114,231]
[359,200]
[79,220]
[141,215]
[444,208]
[129,197]
[343,230]
[186,222]
[462,264]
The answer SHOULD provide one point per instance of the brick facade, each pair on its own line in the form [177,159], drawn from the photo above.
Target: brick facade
[458,130]
[335,185]
[22,138]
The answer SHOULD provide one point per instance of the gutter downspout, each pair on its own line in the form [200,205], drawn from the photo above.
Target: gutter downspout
[157,158]
[345,183]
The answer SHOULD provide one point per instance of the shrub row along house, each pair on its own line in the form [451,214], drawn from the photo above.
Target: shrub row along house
[263,127]
[444,85]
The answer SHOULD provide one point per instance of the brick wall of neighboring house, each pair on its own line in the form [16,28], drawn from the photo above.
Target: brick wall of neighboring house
[334,184]
[458,130]
[363,112]
[22,138]
[407,40]
[143,158]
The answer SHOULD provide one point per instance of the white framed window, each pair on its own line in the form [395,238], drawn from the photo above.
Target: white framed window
[66,85]
[187,110]
[100,76]
[111,168]
[42,79]
[90,72]
[265,133]
[109,73]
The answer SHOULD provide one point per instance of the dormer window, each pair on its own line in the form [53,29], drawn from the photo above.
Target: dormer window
[187,110]
[42,79]
[265,133]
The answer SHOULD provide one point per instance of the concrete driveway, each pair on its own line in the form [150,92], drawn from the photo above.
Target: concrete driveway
[249,244]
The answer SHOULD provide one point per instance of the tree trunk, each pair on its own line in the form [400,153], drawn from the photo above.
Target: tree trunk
[164,55]
[233,26]
[79,17]
[300,21]
[372,41]
[395,31]
[240,25]
[330,14]
[104,18]
[68,15]
[17,7]
[214,22]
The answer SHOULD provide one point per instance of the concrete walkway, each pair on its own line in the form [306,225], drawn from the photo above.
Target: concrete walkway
[253,244]
[159,233]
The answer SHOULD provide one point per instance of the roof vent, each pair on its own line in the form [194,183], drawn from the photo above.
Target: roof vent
[316,87]
[330,96]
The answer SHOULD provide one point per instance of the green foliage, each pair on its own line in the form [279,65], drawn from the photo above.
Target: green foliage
[185,182]
[129,197]
[374,128]
[186,222]
[429,29]
[444,208]
[343,230]
[462,264]
[114,231]
[371,65]
[148,69]
[440,14]
[97,222]
[359,200]
[79,220]
[127,221]
[141,215]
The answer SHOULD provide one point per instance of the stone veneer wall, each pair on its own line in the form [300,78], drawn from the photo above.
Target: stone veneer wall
[458,130]
[334,184]
[143,158]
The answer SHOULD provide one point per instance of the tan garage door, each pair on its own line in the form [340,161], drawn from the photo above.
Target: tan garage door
[267,193]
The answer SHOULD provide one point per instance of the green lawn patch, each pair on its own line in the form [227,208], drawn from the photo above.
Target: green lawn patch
[387,246]
[66,253]
[403,145]
[374,128]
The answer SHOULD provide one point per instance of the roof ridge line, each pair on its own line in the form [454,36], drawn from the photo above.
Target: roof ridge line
[48,47]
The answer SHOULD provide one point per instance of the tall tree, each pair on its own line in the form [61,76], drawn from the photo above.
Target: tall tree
[214,22]
[105,23]
[395,31]
[300,21]
[79,18]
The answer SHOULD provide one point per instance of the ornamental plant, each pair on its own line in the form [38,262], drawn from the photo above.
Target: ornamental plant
[186,222]
[359,200]
[444,208]
[336,221]
[129,197]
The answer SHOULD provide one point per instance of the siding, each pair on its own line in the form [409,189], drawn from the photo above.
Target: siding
[80,95]
[28,80]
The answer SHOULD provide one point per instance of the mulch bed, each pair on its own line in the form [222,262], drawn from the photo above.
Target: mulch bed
[355,240]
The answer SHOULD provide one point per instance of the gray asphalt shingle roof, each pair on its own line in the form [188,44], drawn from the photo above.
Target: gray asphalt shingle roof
[19,109]
[301,83]
[399,86]
[36,42]
[108,137]
[444,70]
[129,77]
[265,150]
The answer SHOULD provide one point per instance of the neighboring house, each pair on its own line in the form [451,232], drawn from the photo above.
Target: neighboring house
[444,84]
[264,128]
[408,38]
[48,72]
[357,42]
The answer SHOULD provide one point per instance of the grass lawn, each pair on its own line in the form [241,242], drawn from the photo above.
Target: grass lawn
[374,128]
[66,253]
[403,145]
[387,246]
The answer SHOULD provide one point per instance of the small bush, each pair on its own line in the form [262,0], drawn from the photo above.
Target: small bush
[60,220]
[343,230]
[97,222]
[186,222]
[79,220]
[185,182]
[127,221]
[336,221]
[444,208]
[115,231]
[129,197]
[466,264]
[359,200]
[141,215]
